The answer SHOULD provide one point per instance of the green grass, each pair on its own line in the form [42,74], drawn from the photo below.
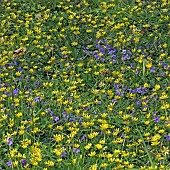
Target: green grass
[84,85]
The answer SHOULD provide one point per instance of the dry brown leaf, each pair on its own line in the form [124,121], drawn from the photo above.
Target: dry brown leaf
[20,50]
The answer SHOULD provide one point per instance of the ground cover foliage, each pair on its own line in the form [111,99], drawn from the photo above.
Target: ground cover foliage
[84,84]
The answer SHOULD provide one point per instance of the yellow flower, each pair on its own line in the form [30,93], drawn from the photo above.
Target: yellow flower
[15,163]
[88,146]
[18,73]
[161,131]
[35,130]
[130,166]
[58,151]
[98,35]
[165,45]
[49,163]
[117,152]
[147,122]
[80,64]
[93,135]
[74,43]
[116,132]
[21,132]
[98,146]
[93,167]
[165,150]
[92,153]
[74,161]
[104,126]
[156,137]
[88,31]
[149,65]
[19,114]
[157,87]
[59,160]
[58,137]
[162,55]
[146,85]
[102,142]
[164,96]
[25,143]
[103,165]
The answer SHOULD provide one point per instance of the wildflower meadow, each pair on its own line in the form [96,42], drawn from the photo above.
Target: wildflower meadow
[84,84]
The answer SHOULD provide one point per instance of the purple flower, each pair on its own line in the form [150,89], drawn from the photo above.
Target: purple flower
[86,108]
[167,137]
[36,83]
[154,103]
[133,112]
[102,50]
[9,163]
[99,102]
[63,154]
[15,91]
[114,101]
[23,162]
[6,92]
[64,114]
[15,63]
[126,57]
[118,92]
[157,42]
[85,48]
[163,74]
[108,47]
[129,52]
[83,137]
[19,69]
[116,85]
[131,90]
[37,99]
[97,41]
[156,119]
[114,56]
[156,97]
[152,70]
[80,121]
[138,102]
[76,150]
[131,65]
[147,162]
[102,60]
[113,61]
[81,58]
[56,118]
[9,141]
[51,112]
[71,119]
[123,52]
[137,72]
[111,51]
[139,90]
[149,46]
[97,56]
[123,135]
